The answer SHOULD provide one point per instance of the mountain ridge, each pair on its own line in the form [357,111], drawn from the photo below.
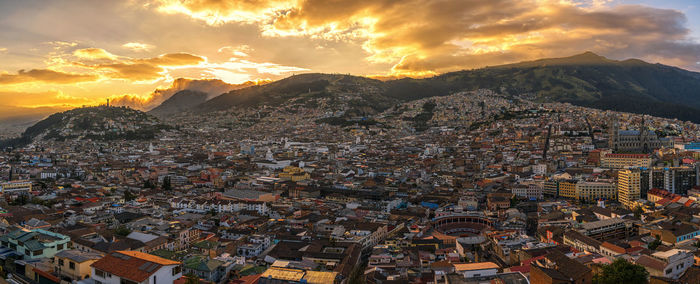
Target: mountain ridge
[585,79]
[179,102]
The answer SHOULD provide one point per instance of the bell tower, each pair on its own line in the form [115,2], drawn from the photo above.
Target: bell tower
[614,129]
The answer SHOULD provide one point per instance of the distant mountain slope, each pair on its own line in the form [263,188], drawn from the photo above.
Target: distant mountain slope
[591,80]
[95,123]
[361,94]
[586,79]
[212,87]
[180,102]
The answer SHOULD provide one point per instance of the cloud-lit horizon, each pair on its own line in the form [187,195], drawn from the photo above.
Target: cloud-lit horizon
[71,53]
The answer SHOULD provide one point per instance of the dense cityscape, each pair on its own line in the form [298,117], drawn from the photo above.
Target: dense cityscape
[349,142]
[483,189]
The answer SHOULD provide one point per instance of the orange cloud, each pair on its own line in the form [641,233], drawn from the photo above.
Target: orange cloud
[433,36]
[212,87]
[137,46]
[93,53]
[174,59]
[133,69]
[45,76]
[34,99]
[216,12]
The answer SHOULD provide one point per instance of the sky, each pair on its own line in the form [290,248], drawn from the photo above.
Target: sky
[70,53]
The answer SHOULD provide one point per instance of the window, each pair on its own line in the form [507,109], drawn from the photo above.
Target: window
[71,265]
[59,246]
[127,281]
[37,252]
[60,262]
[176,270]
[100,273]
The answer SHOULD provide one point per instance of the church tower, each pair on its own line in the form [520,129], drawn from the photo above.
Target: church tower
[643,136]
[614,129]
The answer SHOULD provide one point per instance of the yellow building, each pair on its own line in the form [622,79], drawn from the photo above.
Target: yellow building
[621,161]
[628,187]
[291,275]
[591,191]
[12,186]
[294,174]
[567,189]
[74,264]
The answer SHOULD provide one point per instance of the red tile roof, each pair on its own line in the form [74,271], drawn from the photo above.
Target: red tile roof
[650,262]
[132,265]
[613,247]
[522,269]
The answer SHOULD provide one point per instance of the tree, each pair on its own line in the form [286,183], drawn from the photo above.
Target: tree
[122,231]
[166,184]
[621,271]
[149,184]
[128,196]
[20,200]
[191,279]
[638,212]
[514,201]
[655,244]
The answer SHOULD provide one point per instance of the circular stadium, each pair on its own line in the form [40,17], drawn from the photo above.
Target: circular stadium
[461,225]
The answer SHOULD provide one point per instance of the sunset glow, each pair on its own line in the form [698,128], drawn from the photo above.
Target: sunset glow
[72,53]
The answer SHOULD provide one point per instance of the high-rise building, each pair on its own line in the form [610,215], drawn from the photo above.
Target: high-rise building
[676,180]
[628,186]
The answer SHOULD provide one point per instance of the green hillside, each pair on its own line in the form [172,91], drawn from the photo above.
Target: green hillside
[95,123]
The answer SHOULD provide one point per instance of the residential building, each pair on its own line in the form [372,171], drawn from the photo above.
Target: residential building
[38,243]
[591,191]
[669,264]
[614,228]
[556,267]
[567,189]
[131,267]
[16,186]
[477,269]
[622,161]
[74,264]
[205,268]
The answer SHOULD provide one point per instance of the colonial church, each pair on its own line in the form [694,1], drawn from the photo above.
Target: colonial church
[643,140]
